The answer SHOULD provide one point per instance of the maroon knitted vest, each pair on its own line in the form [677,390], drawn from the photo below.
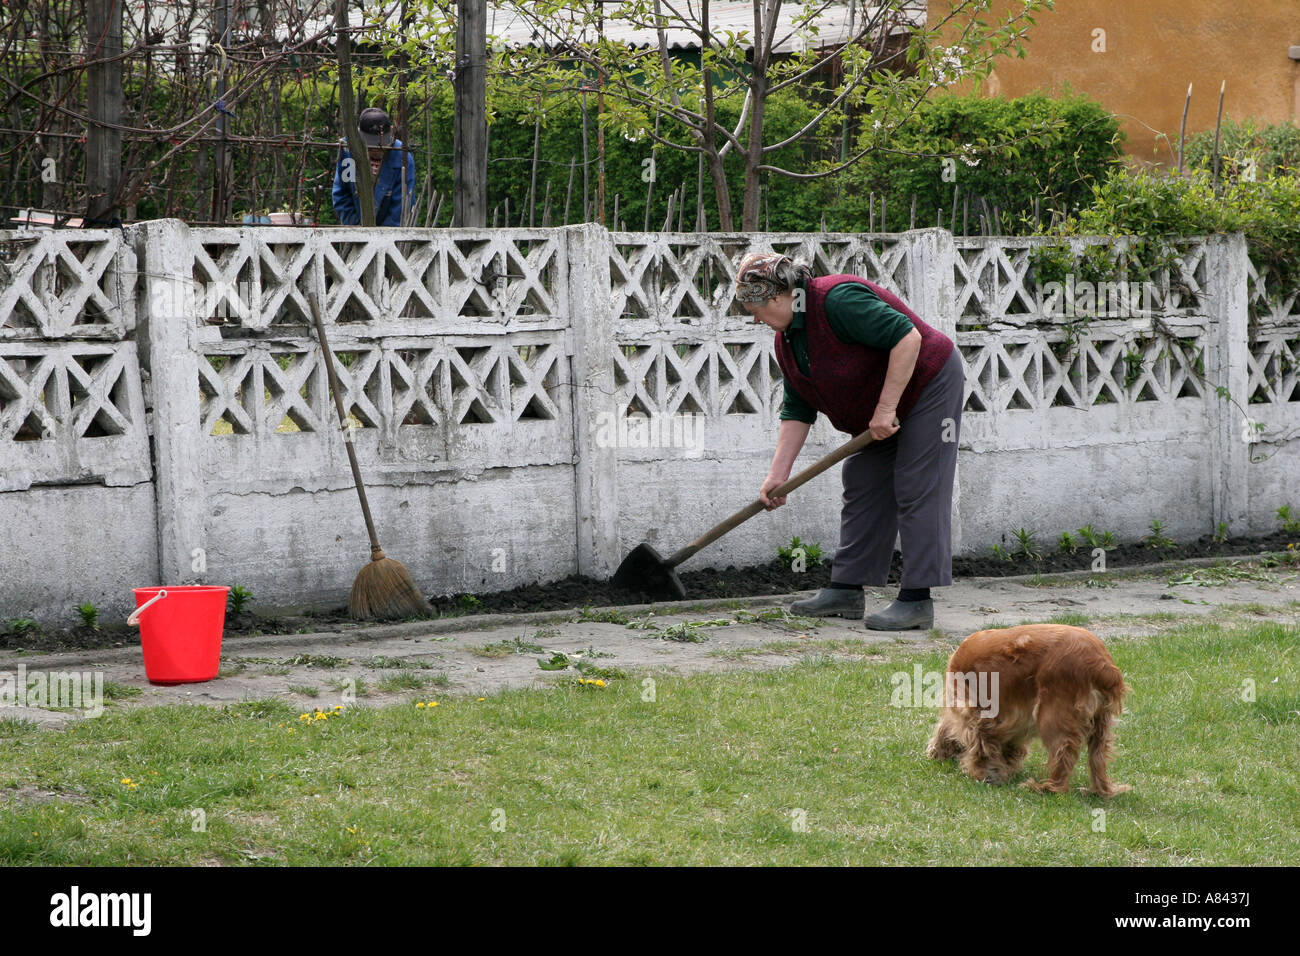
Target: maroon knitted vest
[845,378]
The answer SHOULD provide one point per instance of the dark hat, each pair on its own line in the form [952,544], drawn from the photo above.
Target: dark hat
[376,127]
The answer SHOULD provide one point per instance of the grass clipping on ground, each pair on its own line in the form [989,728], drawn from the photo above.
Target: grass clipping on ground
[808,764]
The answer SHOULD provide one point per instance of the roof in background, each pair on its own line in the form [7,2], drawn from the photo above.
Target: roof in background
[510,28]
[832,25]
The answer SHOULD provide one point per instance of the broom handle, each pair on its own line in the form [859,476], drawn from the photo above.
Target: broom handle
[744,514]
[343,423]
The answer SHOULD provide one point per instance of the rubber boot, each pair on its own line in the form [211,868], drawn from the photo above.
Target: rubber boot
[832,602]
[902,616]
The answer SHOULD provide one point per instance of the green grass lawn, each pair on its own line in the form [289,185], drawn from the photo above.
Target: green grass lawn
[804,765]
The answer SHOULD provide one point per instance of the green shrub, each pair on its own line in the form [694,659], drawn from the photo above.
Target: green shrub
[1059,166]
[1274,147]
[1139,202]
[1057,149]
[793,205]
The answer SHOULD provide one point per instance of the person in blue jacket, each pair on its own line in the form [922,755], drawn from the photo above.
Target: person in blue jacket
[385,157]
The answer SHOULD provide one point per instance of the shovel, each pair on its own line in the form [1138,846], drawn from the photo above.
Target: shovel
[644,570]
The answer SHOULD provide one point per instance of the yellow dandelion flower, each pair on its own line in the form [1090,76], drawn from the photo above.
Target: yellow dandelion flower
[482,698]
[600,683]
[420,704]
[433,703]
[126,780]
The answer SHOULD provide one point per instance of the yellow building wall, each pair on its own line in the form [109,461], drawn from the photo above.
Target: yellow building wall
[1139,67]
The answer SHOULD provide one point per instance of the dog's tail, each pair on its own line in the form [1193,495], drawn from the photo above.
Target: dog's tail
[1109,683]
[1108,694]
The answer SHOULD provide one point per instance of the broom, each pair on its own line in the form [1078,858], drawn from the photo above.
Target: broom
[383,588]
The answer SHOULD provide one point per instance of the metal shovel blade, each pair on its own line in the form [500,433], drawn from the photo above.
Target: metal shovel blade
[645,571]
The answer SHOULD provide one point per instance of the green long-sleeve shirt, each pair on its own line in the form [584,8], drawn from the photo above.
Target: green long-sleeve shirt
[855,314]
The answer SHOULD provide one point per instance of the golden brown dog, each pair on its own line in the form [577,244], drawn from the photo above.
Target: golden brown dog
[1047,680]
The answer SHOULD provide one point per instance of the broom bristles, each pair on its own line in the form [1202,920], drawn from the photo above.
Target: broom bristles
[384,590]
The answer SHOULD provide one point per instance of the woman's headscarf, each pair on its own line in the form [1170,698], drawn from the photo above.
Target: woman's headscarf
[765,275]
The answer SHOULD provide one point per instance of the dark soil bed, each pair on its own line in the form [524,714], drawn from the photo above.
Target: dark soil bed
[578,592]
[776,578]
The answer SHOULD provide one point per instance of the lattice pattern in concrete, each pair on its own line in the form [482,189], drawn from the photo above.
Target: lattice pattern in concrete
[436,381]
[731,376]
[66,284]
[997,283]
[1032,371]
[257,279]
[671,280]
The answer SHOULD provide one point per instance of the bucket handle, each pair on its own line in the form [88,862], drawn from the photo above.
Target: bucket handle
[134,619]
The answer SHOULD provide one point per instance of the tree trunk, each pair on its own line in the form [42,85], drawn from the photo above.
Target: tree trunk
[726,223]
[470,131]
[754,155]
[104,93]
[348,107]
[221,172]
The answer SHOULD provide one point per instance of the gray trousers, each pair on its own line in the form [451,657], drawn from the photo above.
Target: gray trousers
[903,486]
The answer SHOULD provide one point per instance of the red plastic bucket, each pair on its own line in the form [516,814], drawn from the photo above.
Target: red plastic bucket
[180,631]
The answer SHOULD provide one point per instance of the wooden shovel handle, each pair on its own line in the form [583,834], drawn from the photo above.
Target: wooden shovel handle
[851,447]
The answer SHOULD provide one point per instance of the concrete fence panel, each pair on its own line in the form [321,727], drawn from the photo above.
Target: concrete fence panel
[77,503]
[532,403]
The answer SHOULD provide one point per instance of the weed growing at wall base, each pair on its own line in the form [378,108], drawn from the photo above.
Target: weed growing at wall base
[1291,525]
[798,555]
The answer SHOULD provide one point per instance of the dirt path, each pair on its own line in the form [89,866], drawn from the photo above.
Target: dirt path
[479,655]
